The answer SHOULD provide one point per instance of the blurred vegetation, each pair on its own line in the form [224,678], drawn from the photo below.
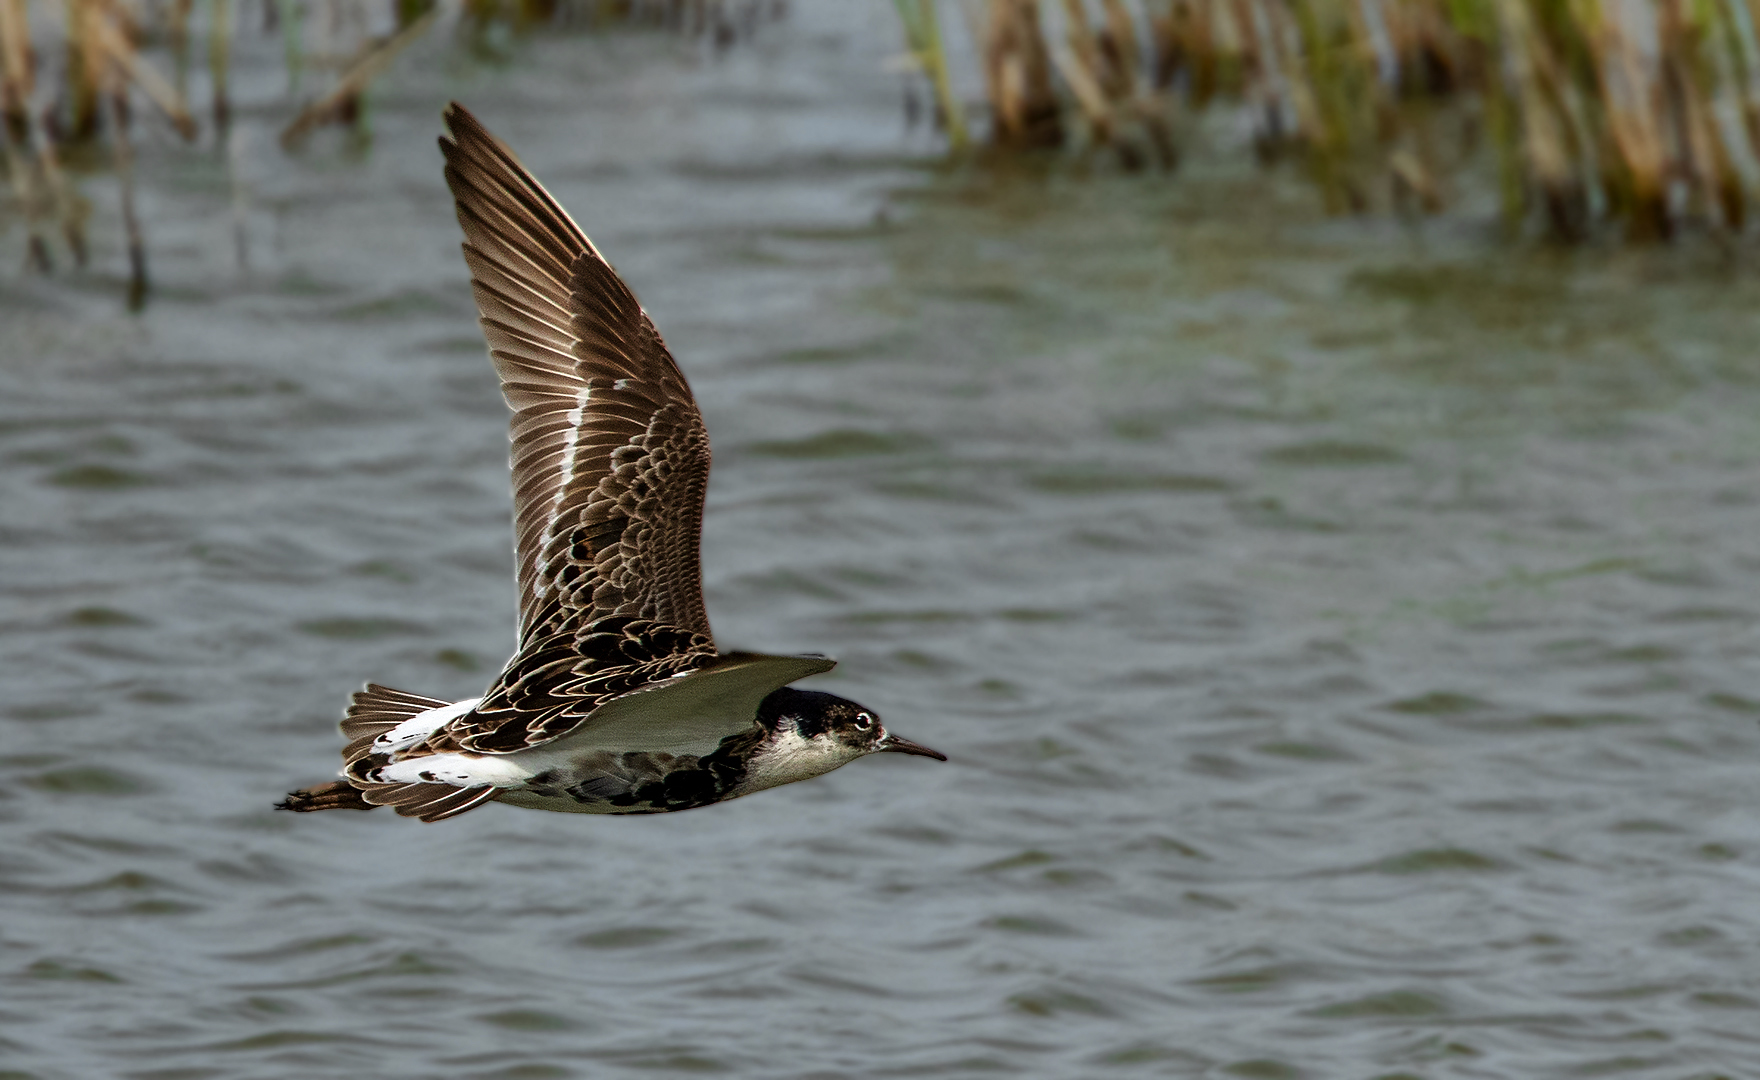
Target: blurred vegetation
[1639,115]
[74,73]
[1634,116]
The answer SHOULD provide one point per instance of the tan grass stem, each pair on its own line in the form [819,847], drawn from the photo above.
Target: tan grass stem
[355,80]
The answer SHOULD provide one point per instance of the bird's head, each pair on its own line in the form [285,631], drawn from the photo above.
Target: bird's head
[834,726]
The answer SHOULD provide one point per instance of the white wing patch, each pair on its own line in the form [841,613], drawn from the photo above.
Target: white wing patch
[565,472]
[421,725]
[459,770]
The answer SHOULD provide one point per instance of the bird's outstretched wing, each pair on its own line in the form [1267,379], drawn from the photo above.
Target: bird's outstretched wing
[610,459]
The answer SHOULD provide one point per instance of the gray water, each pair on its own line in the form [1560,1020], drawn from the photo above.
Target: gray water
[1344,638]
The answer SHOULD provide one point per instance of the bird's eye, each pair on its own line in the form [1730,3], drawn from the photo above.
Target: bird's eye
[864,721]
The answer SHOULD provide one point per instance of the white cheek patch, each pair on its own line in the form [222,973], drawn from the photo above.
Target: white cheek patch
[792,756]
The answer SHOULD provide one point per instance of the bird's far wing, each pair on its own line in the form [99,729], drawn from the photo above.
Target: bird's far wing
[673,701]
[610,457]
[557,680]
[694,711]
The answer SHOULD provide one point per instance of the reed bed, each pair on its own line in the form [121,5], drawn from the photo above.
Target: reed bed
[1636,117]
[76,76]
[1641,116]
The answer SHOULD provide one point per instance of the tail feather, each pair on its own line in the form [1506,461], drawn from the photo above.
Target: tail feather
[371,713]
[335,795]
[377,709]
[430,802]
[374,711]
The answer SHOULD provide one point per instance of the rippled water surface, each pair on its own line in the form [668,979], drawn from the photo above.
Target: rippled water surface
[1344,640]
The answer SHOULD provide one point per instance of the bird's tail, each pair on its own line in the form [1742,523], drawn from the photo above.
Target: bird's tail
[371,713]
[374,711]
[336,795]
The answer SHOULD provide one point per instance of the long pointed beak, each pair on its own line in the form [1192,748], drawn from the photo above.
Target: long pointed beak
[896,745]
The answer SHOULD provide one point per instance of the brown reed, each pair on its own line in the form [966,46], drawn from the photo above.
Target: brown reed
[922,29]
[102,66]
[1635,115]
[342,101]
[1644,115]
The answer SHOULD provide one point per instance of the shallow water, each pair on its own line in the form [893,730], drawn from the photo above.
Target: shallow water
[1344,638]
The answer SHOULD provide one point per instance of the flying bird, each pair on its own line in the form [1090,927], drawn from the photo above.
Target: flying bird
[617,700]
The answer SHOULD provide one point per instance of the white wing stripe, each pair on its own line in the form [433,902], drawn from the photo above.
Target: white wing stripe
[421,725]
[565,473]
[459,770]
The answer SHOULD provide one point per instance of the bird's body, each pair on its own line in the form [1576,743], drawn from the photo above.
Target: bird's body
[617,701]
[586,773]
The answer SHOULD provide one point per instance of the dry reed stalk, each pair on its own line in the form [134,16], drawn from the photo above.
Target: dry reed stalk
[82,75]
[1100,67]
[177,31]
[1389,30]
[1414,184]
[1254,41]
[17,77]
[1316,84]
[1240,42]
[109,40]
[1119,45]
[1594,116]
[1744,57]
[1378,68]
[1585,123]
[1550,154]
[1630,100]
[1355,110]
[105,66]
[1408,67]
[1477,62]
[220,61]
[1164,47]
[1407,32]
[100,45]
[25,191]
[1089,97]
[1687,87]
[344,97]
[1080,40]
[1078,61]
[17,63]
[70,208]
[1184,42]
[1017,71]
[1085,48]
[1257,37]
[1745,47]
[123,150]
[23,132]
[1122,49]
[923,36]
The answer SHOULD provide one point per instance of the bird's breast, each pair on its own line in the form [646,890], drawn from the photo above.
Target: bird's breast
[788,756]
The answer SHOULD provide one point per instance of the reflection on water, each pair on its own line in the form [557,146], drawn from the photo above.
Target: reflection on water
[1344,640]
